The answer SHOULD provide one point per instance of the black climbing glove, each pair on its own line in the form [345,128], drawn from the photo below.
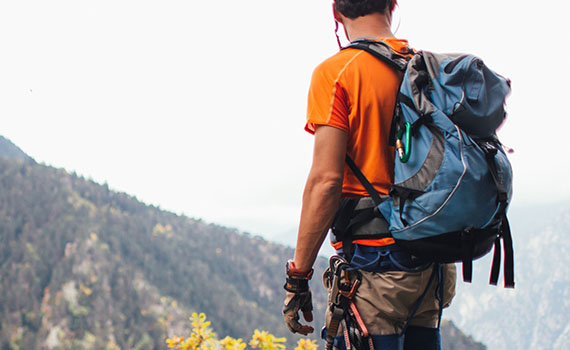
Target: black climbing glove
[298,297]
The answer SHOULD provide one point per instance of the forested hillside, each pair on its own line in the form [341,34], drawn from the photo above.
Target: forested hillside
[81,264]
[84,267]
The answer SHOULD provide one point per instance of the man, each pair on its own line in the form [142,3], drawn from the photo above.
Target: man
[350,108]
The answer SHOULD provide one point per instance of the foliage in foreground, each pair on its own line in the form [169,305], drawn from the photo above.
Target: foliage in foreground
[203,338]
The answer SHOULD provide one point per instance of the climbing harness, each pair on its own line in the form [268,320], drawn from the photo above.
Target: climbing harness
[342,280]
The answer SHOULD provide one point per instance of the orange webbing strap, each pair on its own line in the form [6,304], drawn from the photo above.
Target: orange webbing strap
[380,242]
[346,336]
[359,320]
[361,326]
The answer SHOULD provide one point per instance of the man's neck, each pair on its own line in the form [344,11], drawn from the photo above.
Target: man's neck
[375,25]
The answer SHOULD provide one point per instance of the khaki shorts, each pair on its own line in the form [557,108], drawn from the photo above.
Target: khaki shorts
[385,300]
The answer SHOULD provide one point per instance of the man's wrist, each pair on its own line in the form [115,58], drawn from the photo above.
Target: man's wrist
[295,273]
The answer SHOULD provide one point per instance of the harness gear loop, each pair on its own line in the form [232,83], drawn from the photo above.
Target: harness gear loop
[343,281]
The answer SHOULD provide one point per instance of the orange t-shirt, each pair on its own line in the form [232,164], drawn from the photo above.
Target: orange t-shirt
[356,92]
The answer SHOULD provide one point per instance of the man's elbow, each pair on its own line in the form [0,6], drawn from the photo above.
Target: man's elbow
[329,184]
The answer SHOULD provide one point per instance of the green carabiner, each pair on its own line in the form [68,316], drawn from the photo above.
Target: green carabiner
[404,149]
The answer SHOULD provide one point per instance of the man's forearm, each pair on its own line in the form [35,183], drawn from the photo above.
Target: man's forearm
[320,203]
[322,194]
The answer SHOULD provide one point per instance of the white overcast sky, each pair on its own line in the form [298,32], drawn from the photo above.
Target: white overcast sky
[199,106]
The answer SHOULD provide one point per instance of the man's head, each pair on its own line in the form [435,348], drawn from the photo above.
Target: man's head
[357,8]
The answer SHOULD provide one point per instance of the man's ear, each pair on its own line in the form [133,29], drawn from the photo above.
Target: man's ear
[337,15]
[394,4]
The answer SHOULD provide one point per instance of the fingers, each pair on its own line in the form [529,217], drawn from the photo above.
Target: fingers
[305,330]
[307,309]
[293,303]
[292,322]
[308,316]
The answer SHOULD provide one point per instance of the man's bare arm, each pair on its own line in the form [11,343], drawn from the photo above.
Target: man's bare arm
[322,194]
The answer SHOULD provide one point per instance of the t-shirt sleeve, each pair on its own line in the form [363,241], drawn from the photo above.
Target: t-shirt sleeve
[328,103]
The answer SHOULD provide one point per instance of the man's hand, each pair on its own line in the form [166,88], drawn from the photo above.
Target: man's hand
[295,301]
[298,297]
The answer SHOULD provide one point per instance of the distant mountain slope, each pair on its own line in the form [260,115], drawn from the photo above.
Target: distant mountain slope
[453,339]
[9,150]
[79,262]
[82,264]
[84,267]
[535,314]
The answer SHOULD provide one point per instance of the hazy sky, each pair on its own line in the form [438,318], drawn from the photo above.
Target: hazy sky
[199,106]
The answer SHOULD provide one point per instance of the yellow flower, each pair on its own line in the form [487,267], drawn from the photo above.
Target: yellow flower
[229,343]
[257,339]
[265,341]
[174,341]
[306,344]
[188,344]
[203,338]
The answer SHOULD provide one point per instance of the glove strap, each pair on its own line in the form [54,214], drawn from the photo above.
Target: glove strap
[296,285]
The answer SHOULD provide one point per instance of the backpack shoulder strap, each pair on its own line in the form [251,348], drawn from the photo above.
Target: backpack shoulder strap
[382,51]
[364,181]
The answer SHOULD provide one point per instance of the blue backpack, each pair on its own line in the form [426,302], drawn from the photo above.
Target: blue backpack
[452,179]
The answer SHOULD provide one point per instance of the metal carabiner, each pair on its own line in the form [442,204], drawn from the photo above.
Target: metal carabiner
[403,149]
[337,265]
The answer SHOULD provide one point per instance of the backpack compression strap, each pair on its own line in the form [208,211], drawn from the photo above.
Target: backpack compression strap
[490,150]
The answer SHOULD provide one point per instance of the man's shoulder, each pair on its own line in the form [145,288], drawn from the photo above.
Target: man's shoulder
[354,56]
[339,59]
[335,65]
[356,61]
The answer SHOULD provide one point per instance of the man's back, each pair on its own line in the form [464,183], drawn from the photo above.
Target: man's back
[355,92]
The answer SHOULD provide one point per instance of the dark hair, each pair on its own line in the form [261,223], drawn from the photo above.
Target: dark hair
[357,8]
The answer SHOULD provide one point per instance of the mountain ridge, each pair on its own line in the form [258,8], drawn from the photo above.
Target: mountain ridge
[533,315]
[9,150]
[85,267]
